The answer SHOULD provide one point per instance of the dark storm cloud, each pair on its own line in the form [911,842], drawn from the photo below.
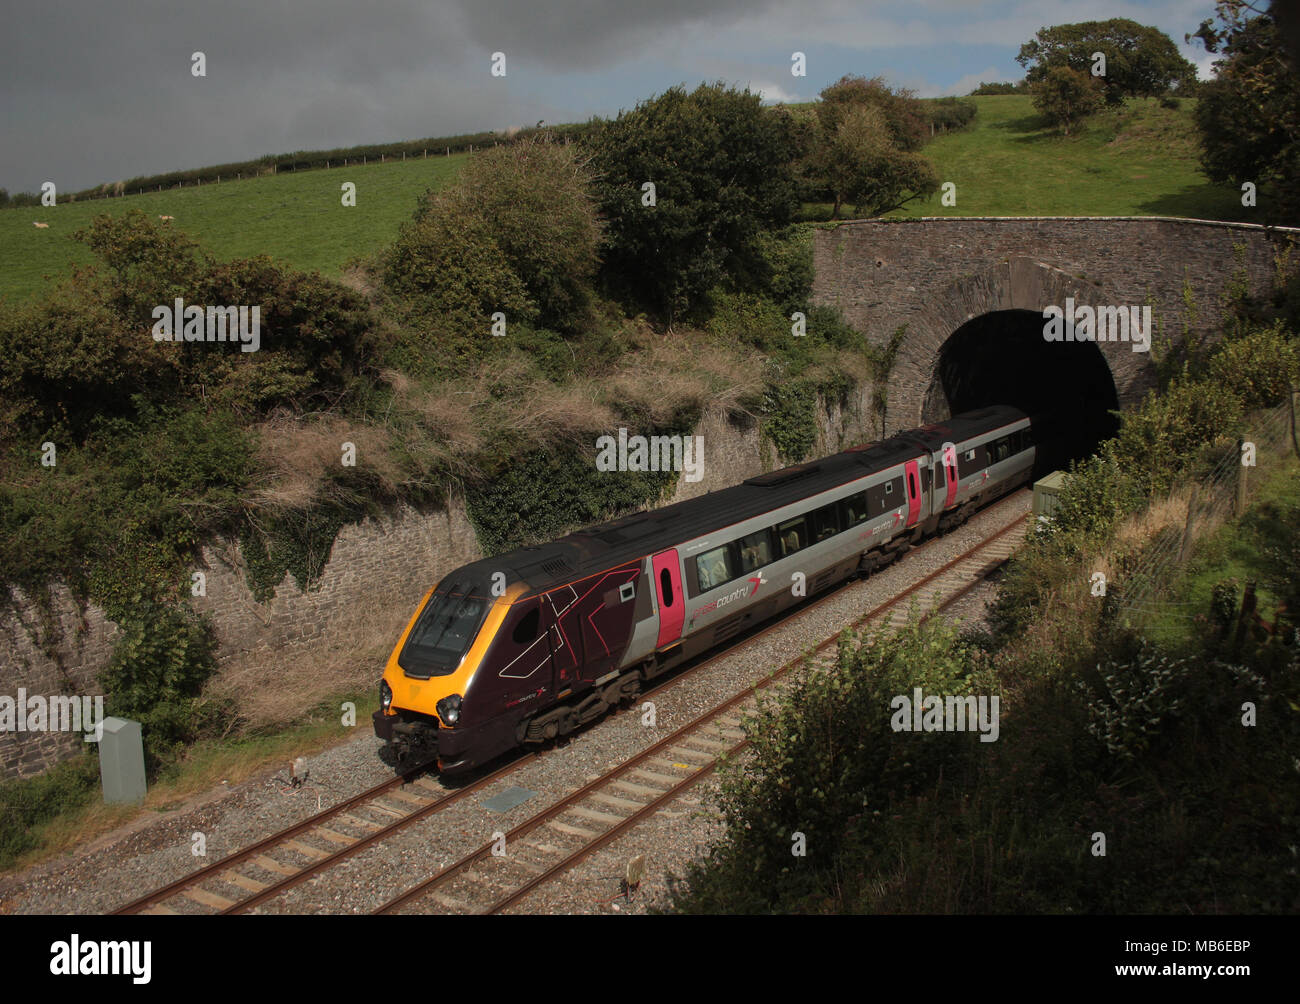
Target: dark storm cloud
[98,91]
[587,34]
[94,91]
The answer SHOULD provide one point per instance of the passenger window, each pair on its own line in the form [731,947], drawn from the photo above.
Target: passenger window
[713,568]
[825,522]
[790,536]
[666,587]
[526,630]
[755,551]
[940,480]
[855,509]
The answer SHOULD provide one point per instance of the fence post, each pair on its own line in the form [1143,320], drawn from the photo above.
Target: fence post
[1241,483]
[1186,549]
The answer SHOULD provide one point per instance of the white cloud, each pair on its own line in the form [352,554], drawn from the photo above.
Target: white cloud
[773,94]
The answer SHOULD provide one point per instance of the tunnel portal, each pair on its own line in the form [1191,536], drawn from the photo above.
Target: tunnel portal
[1002,358]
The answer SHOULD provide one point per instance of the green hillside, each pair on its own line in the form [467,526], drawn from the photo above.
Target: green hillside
[1142,160]
[295,218]
[1139,161]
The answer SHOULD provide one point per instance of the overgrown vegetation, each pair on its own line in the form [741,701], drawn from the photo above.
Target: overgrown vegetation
[1180,753]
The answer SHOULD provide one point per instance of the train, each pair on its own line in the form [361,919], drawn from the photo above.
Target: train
[527,646]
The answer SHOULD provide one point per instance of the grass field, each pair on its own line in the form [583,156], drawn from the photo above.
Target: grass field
[1140,161]
[295,218]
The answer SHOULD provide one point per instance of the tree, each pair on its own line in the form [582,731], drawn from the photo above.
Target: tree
[1249,115]
[903,114]
[1140,61]
[860,165]
[448,265]
[518,233]
[1066,96]
[722,167]
[863,150]
[538,200]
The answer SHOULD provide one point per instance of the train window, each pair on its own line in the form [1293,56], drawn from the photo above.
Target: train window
[939,478]
[755,550]
[526,630]
[1001,449]
[825,522]
[855,509]
[444,632]
[713,568]
[791,536]
[666,587]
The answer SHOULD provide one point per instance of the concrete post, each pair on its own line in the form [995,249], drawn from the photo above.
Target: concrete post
[121,761]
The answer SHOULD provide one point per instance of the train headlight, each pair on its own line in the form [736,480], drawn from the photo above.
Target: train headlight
[449,709]
[385,695]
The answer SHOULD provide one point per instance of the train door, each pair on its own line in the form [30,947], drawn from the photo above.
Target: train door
[912,478]
[950,472]
[672,603]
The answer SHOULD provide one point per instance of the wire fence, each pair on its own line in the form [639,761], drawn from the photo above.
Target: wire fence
[1145,593]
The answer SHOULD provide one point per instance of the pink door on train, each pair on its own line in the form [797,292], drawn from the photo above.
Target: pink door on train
[912,478]
[950,469]
[667,571]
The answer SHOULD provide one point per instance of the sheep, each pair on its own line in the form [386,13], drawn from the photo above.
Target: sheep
[166,217]
[43,226]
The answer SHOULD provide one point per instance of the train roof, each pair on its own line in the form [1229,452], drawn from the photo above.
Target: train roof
[607,545]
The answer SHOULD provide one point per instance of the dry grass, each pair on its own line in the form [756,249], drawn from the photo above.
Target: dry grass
[297,456]
[545,412]
[351,660]
[668,373]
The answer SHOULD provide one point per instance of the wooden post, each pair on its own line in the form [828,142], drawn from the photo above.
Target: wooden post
[1241,482]
[1186,549]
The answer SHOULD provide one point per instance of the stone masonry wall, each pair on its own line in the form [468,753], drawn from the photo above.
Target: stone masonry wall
[935,274]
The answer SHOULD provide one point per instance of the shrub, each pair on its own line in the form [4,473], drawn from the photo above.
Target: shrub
[536,199]
[1260,367]
[448,265]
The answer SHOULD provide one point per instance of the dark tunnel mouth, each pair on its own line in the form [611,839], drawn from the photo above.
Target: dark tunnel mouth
[1002,358]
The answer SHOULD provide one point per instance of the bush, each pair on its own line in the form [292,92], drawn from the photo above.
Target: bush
[951,113]
[536,199]
[1260,367]
[160,662]
[824,761]
[27,803]
[449,266]
[541,495]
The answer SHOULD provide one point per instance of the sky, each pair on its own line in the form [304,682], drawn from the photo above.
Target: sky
[95,91]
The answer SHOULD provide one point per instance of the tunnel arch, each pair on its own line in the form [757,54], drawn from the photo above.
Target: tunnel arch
[995,318]
[1002,358]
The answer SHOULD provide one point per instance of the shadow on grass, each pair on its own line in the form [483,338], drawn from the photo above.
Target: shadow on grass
[1205,201]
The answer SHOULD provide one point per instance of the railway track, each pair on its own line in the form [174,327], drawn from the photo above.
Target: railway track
[504,871]
[596,814]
